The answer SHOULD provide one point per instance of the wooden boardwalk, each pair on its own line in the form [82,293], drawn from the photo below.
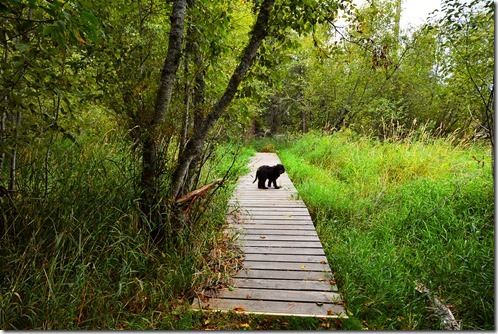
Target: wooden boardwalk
[285,271]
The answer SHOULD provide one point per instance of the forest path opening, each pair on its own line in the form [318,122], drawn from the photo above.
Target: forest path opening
[285,270]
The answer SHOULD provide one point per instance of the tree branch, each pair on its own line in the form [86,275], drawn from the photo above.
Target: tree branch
[194,146]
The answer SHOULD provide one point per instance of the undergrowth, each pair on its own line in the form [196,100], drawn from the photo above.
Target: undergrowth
[391,214]
[74,256]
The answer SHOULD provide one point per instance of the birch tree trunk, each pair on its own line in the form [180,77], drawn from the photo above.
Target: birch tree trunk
[194,146]
[151,159]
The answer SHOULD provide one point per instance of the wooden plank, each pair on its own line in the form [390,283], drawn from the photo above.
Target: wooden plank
[275,210]
[282,250]
[270,220]
[291,211]
[273,223]
[274,229]
[270,237]
[273,216]
[276,220]
[276,308]
[286,258]
[288,244]
[288,196]
[296,226]
[266,204]
[247,230]
[284,274]
[243,189]
[300,285]
[299,266]
[268,200]
[279,295]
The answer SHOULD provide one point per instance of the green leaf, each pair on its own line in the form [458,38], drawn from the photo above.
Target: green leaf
[22,47]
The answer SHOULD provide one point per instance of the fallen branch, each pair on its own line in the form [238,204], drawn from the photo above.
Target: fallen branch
[189,199]
[441,310]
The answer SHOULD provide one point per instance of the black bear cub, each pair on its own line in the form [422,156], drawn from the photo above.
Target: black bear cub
[268,173]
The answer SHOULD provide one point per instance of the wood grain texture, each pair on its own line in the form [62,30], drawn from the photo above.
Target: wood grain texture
[285,270]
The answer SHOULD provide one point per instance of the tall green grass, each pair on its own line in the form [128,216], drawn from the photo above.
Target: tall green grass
[391,214]
[74,256]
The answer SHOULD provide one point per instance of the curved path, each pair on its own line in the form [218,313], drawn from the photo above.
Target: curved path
[285,271]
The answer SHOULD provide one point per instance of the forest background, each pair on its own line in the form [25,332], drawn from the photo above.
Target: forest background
[109,118]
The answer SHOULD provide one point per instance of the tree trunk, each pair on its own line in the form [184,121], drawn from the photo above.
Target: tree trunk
[397,18]
[303,120]
[13,158]
[151,159]
[198,101]
[3,119]
[194,146]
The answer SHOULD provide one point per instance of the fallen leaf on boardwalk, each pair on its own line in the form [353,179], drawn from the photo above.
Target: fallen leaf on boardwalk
[238,309]
[319,303]
[323,262]
[332,282]
[330,312]
[249,296]
[303,267]
[262,236]
[321,279]
[203,297]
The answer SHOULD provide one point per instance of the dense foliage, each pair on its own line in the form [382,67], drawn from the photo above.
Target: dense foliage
[110,111]
[376,79]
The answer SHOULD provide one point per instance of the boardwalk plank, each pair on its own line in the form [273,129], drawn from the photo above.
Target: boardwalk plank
[299,266]
[270,237]
[284,274]
[275,244]
[300,285]
[273,224]
[282,218]
[287,258]
[278,308]
[279,295]
[282,250]
[271,214]
[285,270]
[247,230]
[267,204]
[265,210]
[263,226]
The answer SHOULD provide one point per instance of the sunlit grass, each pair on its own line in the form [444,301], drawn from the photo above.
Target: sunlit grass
[74,255]
[390,214]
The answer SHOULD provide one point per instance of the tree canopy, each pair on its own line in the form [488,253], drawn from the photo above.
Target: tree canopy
[176,74]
